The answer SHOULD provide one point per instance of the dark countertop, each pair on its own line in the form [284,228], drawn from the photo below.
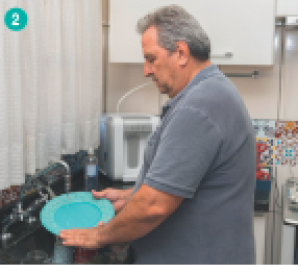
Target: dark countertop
[104,182]
[22,230]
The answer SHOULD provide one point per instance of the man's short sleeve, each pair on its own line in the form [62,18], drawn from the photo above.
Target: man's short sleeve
[186,150]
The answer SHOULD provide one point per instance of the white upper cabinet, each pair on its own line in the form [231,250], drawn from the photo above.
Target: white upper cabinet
[241,31]
[286,8]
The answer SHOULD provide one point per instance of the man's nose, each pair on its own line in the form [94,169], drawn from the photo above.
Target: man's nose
[147,70]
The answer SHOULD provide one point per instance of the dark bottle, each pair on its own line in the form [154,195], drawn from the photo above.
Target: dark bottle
[91,171]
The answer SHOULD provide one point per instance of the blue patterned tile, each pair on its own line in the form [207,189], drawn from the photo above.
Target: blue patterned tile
[286,143]
[267,157]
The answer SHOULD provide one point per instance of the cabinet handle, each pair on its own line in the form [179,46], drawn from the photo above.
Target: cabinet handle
[254,74]
[225,55]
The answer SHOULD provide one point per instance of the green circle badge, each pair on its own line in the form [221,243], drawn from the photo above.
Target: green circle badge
[15,19]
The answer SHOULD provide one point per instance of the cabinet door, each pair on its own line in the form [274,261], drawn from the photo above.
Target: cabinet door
[243,29]
[287,8]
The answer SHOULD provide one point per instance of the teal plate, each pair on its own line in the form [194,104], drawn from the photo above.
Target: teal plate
[77,210]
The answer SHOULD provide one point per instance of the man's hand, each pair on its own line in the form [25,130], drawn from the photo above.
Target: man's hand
[117,197]
[87,238]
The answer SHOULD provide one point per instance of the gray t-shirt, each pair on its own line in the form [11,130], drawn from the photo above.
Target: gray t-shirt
[203,150]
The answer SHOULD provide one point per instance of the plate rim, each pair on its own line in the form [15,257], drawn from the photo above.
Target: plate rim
[48,211]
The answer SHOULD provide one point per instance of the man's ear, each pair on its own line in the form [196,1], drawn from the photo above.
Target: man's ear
[183,52]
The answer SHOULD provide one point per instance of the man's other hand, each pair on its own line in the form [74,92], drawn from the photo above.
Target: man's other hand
[117,197]
[87,238]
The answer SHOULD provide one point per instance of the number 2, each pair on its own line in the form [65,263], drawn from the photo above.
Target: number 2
[15,17]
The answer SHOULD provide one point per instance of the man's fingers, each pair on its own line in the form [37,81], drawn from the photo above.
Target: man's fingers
[101,223]
[118,205]
[109,194]
[64,233]
[80,237]
[99,194]
[79,243]
[69,243]
[70,239]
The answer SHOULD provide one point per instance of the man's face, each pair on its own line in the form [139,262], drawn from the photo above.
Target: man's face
[159,64]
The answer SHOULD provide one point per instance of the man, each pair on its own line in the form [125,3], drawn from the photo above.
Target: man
[193,199]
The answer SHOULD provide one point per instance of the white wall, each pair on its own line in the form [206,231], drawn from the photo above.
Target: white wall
[122,78]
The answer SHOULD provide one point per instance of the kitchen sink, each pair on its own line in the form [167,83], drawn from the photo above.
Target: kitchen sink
[39,239]
[29,237]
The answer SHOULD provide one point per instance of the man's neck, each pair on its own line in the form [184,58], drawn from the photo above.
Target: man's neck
[198,67]
[189,73]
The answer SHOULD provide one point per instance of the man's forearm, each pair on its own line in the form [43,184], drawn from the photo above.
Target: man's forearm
[144,210]
[129,224]
[140,216]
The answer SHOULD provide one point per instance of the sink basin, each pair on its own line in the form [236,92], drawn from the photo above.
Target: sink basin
[40,239]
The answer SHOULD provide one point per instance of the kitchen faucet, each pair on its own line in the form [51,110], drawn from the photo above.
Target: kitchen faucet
[67,175]
[36,182]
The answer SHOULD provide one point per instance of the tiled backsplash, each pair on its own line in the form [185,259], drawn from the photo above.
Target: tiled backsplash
[9,195]
[281,139]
